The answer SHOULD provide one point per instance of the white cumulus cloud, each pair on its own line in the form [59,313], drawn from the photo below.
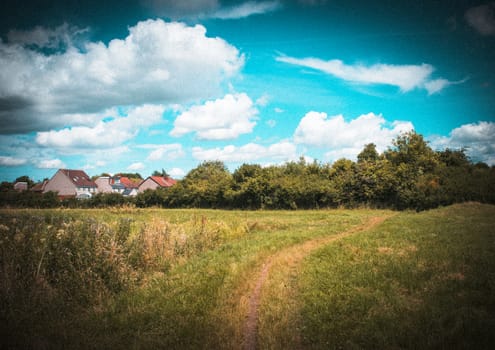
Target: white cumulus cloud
[105,134]
[477,138]
[136,166]
[12,161]
[347,138]
[50,164]
[163,152]
[405,77]
[158,62]
[283,150]
[220,119]
[482,18]
[176,173]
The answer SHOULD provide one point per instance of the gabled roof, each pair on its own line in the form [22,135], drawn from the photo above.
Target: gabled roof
[128,183]
[40,186]
[163,181]
[21,186]
[78,178]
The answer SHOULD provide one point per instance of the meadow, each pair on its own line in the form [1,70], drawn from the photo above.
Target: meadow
[128,278]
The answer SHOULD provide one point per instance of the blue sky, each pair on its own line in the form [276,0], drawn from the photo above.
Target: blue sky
[138,86]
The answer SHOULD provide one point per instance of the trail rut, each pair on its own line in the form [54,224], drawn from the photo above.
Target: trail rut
[290,257]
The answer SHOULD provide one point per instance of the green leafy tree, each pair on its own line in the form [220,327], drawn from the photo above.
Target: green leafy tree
[368,154]
[209,185]
[131,175]
[410,148]
[162,173]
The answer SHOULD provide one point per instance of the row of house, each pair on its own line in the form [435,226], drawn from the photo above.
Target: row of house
[76,183]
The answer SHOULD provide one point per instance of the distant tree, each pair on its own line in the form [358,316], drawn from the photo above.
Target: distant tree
[368,154]
[249,186]
[6,186]
[94,177]
[162,173]
[246,172]
[131,175]
[410,148]
[451,157]
[209,184]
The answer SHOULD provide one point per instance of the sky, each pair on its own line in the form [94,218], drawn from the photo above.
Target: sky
[137,86]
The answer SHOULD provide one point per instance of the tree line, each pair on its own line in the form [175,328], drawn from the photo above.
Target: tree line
[408,175]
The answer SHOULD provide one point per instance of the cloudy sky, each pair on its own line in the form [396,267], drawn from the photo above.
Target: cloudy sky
[136,86]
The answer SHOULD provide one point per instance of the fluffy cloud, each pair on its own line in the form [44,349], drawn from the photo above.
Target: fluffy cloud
[166,151]
[405,77]
[50,164]
[94,165]
[157,62]
[176,173]
[221,119]
[477,138]
[482,18]
[11,161]
[136,166]
[347,139]
[283,150]
[106,134]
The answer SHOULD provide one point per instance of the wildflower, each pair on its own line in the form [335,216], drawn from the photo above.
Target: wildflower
[60,233]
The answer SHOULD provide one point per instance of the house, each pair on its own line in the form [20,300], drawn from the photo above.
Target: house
[104,185]
[154,182]
[125,186]
[117,184]
[71,183]
[21,186]
[39,187]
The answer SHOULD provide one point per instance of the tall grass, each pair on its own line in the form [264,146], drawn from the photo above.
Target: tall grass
[59,267]
[180,279]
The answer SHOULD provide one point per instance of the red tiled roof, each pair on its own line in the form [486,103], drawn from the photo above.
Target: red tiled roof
[164,182]
[78,178]
[128,183]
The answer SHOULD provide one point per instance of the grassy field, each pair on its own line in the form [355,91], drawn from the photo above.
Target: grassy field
[175,279]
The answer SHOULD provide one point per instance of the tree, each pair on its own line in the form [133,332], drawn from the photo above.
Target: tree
[94,177]
[451,157]
[208,184]
[410,148]
[162,173]
[131,175]
[368,154]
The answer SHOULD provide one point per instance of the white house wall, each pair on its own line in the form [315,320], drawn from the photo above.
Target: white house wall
[148,184]
[103,184]
[61,184]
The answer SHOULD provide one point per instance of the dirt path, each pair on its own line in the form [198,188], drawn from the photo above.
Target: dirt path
[290,258]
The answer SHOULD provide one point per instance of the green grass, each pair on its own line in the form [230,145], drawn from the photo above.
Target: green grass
[419,281]
[176,279]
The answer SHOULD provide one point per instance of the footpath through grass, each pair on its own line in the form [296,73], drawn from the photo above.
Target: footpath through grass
[180,279]
[418,281]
